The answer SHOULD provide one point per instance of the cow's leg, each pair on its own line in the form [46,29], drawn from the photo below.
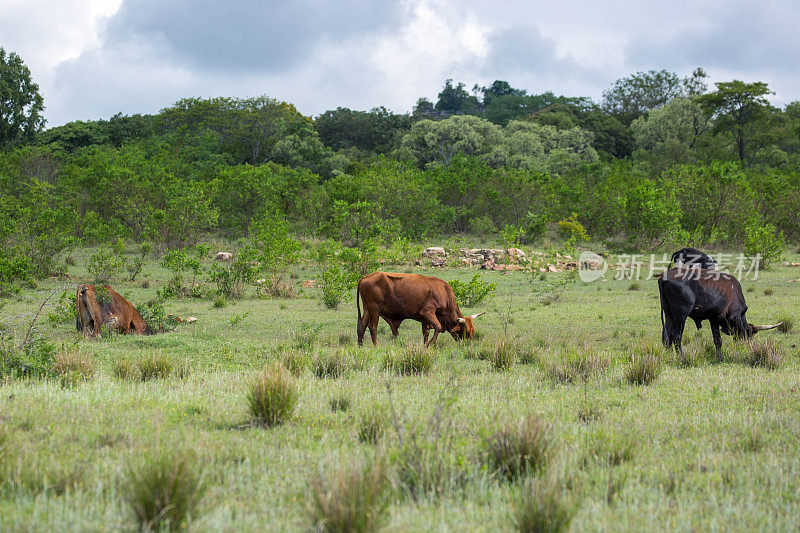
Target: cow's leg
[717,339]
[394,325]
[429,315]
[676,335]
[373,328]
[425,329]
[361,327]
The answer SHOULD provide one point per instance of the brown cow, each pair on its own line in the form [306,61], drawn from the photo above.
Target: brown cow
[111,308]
[396,297]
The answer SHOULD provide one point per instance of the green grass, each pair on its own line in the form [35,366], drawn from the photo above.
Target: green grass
[705,446]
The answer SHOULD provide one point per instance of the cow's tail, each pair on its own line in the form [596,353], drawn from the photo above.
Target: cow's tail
[358,302]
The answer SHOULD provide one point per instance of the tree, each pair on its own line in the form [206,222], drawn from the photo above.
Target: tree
[455,99]
[631,97]
[670,132]
[438,141]
[21,104]
[375,130]
[736,105]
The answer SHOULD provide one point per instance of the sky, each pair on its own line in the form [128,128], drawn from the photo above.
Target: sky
[95,58]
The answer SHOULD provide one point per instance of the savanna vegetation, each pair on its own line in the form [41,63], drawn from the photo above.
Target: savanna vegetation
[565,412]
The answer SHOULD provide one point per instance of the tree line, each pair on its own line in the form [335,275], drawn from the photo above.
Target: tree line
[660,159]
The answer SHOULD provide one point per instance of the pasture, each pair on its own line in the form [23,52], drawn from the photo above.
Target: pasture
[704,446]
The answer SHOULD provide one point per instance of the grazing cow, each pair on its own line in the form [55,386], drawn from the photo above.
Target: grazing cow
[702,294]
[693,258]
[96,306]
[396,297]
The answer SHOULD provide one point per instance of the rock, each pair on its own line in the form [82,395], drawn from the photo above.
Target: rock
[488,264]
[191,319]
[551,268]
[516,255]
[309,283]
[592,261]
[468,261]
[223,256]
[437,262]
[434,251]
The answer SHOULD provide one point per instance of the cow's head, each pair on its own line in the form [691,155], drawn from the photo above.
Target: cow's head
[752,329]
[465,328]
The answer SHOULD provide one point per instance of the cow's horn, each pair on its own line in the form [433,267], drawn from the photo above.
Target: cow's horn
[473,317]
[462,320]
[764,328]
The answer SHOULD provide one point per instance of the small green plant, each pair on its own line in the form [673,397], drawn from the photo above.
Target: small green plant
[164,492]
[72,366]
[353,498]
[414,359]
[155,365]
[634,286]
[220,302]
[787,323]
[519,449]
[238,319]
[472,293]
[768,291]
[541,505]
[272,396]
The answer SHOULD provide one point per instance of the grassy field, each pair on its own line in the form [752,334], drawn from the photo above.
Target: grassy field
[704,446]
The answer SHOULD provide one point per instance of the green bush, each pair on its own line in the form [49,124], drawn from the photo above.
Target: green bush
[104,265]
[764,242]
[571,228]
[472,293]
[272,396]
[336,283]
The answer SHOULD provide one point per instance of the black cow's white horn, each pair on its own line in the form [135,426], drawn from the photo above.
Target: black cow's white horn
[473,317]
[764,328]
[462,320]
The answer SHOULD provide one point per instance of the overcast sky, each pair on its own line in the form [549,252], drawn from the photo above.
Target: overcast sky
[95,58]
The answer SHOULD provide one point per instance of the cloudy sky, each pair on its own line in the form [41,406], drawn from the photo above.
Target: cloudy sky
[95,58]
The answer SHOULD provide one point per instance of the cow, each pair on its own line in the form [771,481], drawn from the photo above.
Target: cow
[703,294]
[100,304]
[692,257]
[397,297]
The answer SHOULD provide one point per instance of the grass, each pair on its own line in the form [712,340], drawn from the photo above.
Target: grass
[644,368]
[353,498]
[272,396]
[164,492]
[541,505]
[764,353]
[414,359]
[787,323]
[154,365]
[73,366]
[519,449]
[711,445]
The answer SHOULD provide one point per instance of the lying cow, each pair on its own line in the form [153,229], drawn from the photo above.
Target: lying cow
[693,258]
[702,294]
[397,297]
[96,307]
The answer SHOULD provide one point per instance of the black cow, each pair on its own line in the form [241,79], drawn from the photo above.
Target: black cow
[693,258]
[702,294]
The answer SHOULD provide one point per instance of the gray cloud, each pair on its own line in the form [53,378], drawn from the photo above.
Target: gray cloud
[246,35]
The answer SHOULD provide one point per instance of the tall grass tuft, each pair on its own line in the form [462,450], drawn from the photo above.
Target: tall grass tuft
[371,425]
[787,323]
[643,369]
[272,396]
[125,369]
[541,505]
[519,449]
[764,353]
[351,499]
[295,361]
[414,359]
[330,364]
[503,358]
[573,365]
[164,492]
[72,366]
[340,402]
[155,365]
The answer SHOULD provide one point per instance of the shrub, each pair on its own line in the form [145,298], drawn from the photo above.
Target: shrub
[571,228]
[765,353]
[34,359]
[336,283]
[164,491]
[65,310]
[541,505]
[415,359]
[105,265]
[472,293]
[155,316]
[643,369]
[350,499]
[155,365]
[764,242]
[371,424]
[72,366]
[272,396]
[519,449]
